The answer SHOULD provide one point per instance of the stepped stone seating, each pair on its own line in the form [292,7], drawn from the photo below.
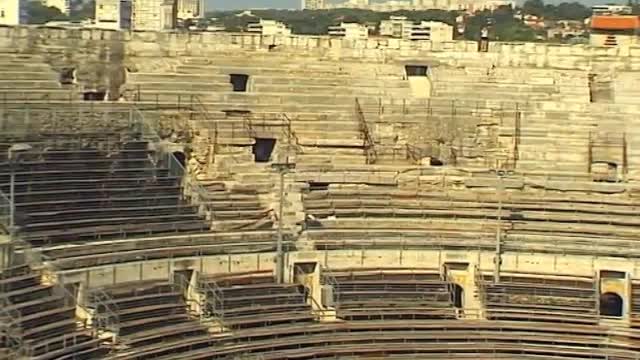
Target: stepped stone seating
[42,317]
[98,253]
[635,304]
[254,299]
[356,217]
[390,293]
[362,216]
[429,339]
[236,210]
[144,315]
[73,192]
[524,297]
[510,83]
[30,78]
[279,83]
[466,133]
[315,138]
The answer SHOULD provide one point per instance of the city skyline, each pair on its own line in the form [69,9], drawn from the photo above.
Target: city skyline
[295,4]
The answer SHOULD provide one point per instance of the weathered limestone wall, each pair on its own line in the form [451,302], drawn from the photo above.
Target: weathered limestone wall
[100,54]
[97,56]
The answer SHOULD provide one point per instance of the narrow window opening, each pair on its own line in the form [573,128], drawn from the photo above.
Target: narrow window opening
[239,82]
[458,296]
[263,148]
[318,186]
[68,76]
[416,70]
[612,274]
[611,304]
[232,113]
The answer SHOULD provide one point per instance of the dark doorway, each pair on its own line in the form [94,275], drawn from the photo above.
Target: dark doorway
[68,76]
[235,113]
[263,148]
[182,278]
[435,162]
[458,296]
[416,70]
[94,95]
[180,157]
[318,186]
[610,304]
[239,82]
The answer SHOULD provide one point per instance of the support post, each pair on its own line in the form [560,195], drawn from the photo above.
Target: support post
[283,169]
[498,255]
[12,204]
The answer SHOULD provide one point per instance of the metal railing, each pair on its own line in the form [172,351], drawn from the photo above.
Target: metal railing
[10,331]
[369,142]
[213,306]
[6,206]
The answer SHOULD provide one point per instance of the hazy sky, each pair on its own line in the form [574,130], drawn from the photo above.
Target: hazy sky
[295,4]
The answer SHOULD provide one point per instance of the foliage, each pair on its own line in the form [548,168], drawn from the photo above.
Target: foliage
[316,22]
[86,10]
[37,13]
[505,24]
[563,11]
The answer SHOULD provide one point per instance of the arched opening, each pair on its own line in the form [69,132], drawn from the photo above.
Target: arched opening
[180,157]
[610,304]
[458,296]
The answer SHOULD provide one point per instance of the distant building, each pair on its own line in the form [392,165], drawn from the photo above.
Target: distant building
[63,5]
[399,5]
[113,14]
[400,27]
[614,30]
[153,15]
[349,31]
[269,27]
[313,4]
[190,9]
[12,12]
[611,9]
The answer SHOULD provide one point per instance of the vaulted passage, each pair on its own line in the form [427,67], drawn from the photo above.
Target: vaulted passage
[458,296]
[610,304]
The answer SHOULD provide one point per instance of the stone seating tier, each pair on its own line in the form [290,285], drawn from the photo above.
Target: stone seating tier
[96,194]
[419,338]
[43,317]
[242,300]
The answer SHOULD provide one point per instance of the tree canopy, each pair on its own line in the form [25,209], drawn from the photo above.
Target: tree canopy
[562,11]
[37,13]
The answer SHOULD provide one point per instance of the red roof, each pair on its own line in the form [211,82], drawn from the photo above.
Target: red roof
[615,22]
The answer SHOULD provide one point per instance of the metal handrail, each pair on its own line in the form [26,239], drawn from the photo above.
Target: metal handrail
[6,204]
[369,143]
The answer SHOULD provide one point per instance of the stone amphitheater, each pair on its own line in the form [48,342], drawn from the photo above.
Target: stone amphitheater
[235,196]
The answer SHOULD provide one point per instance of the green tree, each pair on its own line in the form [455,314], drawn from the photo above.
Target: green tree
[40,14]
[568,11]
[84,11]
[534,7]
